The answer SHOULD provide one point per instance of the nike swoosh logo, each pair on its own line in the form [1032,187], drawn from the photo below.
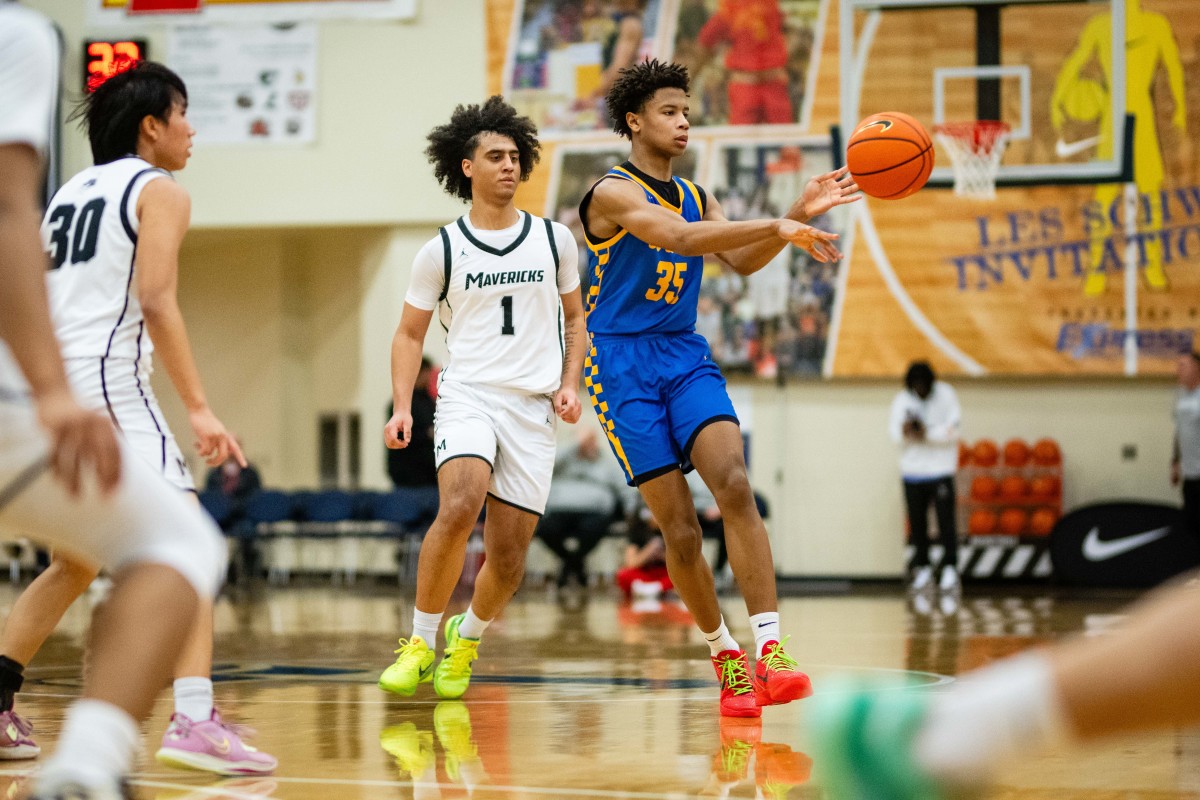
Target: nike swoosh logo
[882,124]
[763,624]
[1097,549]
[220,745]
[1067,149]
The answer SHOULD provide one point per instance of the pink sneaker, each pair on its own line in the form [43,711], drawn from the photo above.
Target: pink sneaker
[212,746]
[15,741]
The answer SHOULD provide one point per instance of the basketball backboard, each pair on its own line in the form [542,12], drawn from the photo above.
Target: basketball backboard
[1053,70]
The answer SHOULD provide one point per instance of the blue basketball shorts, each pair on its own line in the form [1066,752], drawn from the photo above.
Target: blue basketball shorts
[654,393]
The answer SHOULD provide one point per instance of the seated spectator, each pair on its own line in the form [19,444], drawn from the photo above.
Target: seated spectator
[587,495]
[644,570]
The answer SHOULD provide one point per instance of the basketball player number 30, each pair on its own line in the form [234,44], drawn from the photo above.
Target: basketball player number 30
[82,246]
[670,283]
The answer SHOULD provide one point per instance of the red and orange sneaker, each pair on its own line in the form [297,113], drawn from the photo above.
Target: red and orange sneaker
[777,678]
[737,692]
[739,738]
[778,768]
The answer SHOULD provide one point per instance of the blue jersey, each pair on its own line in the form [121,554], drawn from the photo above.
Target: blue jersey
[639,288]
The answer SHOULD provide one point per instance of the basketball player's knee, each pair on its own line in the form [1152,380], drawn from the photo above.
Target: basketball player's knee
[509,566]
[684,542]
[458,514]
[731,483]
[77,575]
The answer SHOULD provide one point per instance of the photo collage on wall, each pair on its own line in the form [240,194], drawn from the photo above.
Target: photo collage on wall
[752,65]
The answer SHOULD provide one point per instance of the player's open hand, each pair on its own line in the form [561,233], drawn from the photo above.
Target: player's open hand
[80,441]
[398,431]
[818,243]
[213,442]
[829,190]
[567,405]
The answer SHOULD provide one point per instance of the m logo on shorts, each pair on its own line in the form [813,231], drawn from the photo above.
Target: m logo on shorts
[441,445]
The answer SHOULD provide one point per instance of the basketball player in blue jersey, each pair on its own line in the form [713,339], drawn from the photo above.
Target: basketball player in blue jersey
[657,392]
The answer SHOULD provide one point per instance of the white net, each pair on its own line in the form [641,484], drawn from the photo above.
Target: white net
[975,150]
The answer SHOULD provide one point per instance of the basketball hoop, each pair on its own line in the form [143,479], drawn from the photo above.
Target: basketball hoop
[975,150]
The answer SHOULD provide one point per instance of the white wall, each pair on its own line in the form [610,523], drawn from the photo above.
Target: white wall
[293,278]
[821,454]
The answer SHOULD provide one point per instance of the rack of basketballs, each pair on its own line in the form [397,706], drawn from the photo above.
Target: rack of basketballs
[1014,491]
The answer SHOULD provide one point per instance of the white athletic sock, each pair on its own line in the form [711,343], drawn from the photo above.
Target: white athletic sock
[426,626]
[719,640]
[194,698]
[766,629]
[97,746]
[992,717]
[472,627]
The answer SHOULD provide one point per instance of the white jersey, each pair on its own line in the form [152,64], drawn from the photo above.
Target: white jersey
[90,231]
[499,297]
[29,55]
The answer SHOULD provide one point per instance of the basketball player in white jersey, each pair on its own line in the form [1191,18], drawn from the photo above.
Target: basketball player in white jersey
[67,482]
[508,288]
[113,234]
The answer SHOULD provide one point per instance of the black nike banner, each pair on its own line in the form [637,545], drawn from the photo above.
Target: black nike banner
[1125,544]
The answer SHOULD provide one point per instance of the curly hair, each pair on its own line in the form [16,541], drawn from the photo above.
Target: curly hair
[449,144]
[637,84]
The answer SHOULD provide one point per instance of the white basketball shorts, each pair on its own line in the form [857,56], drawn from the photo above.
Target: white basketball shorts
[120,388]
[514,432]
[147,520]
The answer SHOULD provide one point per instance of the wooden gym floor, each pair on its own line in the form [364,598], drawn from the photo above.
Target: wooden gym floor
[580,696]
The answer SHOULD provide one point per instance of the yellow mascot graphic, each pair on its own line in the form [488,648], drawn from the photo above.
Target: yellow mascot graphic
[1149,42]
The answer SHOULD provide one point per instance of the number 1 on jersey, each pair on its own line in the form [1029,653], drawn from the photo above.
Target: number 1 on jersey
[507,328]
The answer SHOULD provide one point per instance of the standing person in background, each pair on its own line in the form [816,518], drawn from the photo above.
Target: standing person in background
[414,465]
[926,422]
[1185,465]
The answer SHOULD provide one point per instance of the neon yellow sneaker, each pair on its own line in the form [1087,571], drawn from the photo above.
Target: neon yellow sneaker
[414,665]
[411,747]
[453,674]
[452,722]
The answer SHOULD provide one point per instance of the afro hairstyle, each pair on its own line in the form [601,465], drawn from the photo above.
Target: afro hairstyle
[449,144]
[635,85]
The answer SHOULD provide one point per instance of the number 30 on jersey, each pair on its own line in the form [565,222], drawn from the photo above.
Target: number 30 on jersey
[670,283]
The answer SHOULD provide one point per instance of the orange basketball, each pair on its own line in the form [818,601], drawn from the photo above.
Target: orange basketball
[984,488]
[982,522]
[1016,453]
[1046,453]
[1043,521]
[964,454]
[1013,521]
[985,453]
[890,155]
[1045,487]
[1014,487]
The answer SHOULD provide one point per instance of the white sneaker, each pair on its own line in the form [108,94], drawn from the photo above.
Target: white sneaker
[646,589]
[922,579]
[949,581]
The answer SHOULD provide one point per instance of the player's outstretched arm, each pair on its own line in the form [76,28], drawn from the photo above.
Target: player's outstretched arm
[566,399]
[821,193]
[407,345]
[620,204]
[164,210]
[80,440]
